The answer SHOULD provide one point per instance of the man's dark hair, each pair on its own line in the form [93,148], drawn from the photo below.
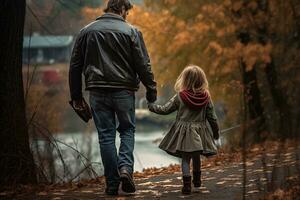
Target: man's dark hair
[115,6]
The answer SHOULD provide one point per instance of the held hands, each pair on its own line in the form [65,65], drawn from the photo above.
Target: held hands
[151,96]
[150,106]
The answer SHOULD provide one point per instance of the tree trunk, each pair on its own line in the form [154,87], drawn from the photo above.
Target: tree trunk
[16,160]
[253,103]
[280,101]
[278,95]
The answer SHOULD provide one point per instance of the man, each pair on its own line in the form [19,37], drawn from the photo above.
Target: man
[112,55]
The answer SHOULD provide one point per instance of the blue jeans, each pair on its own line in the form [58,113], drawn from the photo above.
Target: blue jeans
[112,111]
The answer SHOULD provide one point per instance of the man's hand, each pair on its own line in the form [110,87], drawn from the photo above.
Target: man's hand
[78,104]
[82,109]
[151,96]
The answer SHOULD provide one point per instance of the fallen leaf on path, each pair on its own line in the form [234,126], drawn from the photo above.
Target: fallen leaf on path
[165,181]
[87,191]
[172,185]
[145,191]
[251,185]
[234,175]
[231,179]
[57,193]
[270,154]
[221,182]
[255,149]
[63,190]
[42,193]
[249,164]
[252,192]
[146,183]
[287,154]
[238,183]
[291,177]
[209,178]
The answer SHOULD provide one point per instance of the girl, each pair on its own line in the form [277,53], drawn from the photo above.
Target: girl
[190,136]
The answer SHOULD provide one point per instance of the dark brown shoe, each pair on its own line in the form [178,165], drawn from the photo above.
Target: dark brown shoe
[197,179]
[127,181]
[187,188]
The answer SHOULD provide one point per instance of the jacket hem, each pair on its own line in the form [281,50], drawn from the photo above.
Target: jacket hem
[93,86]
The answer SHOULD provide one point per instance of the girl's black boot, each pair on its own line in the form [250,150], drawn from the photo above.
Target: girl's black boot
[187,188]
[197,179]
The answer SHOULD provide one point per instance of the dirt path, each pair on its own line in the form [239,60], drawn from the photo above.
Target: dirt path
[219,182]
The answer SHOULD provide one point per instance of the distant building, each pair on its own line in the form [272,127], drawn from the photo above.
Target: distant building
[137,1]
[39,49]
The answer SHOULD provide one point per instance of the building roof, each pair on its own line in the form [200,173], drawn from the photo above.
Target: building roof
[40,41]
[137,1]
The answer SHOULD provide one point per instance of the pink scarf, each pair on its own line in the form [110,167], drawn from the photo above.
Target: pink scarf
[194,100]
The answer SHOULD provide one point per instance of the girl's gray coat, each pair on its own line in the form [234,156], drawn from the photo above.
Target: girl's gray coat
[192,132]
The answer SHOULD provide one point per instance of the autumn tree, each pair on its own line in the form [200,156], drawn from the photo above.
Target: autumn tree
[203,35]
[253,39]
[275,24]
[238,43]
[249,73]
[16,161]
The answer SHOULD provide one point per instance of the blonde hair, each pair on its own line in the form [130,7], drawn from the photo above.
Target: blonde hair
[192,78]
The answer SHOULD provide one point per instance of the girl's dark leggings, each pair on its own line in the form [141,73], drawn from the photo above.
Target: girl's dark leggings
[185,164]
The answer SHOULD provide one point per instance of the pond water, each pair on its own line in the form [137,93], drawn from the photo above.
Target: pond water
[146,154]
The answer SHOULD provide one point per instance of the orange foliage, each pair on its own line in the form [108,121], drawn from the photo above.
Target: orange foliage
[208,40]
[91,14]
[205,34]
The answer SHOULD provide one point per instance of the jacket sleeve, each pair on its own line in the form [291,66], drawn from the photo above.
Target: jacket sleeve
[169,107]
[212,119]
[75,71]
[142,66]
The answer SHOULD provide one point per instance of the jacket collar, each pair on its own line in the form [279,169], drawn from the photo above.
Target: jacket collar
[111,16]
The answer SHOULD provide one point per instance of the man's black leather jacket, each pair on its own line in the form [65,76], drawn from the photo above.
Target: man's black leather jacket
[111,54]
